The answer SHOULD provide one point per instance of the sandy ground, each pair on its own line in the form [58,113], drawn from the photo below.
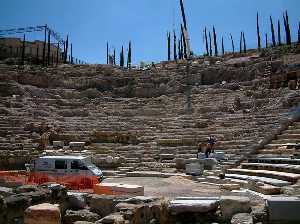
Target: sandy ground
[178,187]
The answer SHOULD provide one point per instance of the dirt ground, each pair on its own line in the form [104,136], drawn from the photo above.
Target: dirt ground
[177,187]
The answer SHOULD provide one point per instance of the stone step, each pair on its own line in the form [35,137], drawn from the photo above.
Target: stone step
[283,141]
[285,145]
[291,131]
[289,136]
[291,177]
[271,181]
[288,168]
[277,151]
[275,161]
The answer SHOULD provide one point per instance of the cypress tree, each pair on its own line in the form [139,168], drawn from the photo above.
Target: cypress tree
[299,34]
[66,51]
[129,56]
[169,46]
[232,43]
[37,54]
[179,55]
[223,51]
[279,33]
[48,55]
[241,42]
[175,47]
[114,56]
[107,59]
[215,41]
[266,40]
[258,33]
[273,32]
[44,49]
[57,54]
[244,40]
[287,28]
[206,42]
[210,44]
[23,51]
[184,43]
[71,54]
[122,57]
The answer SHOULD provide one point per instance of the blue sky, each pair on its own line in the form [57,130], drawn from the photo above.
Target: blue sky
[91,23]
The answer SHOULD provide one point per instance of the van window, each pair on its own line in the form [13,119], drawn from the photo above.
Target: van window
[74,165]
[60,164]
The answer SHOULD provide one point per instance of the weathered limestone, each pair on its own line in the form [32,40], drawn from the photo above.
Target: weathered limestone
[231,205]
[195,205]
[195,169]
[283,209]
[42,214]
[15,207]
[81,215]
[58,144]
[209,163]
[242,218]
[76,200]
[115,218]
[77,145]
[103,204]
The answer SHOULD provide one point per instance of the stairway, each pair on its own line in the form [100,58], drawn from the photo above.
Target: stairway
[276,165]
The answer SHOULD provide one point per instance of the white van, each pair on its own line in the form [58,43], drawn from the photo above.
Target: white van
[74,168]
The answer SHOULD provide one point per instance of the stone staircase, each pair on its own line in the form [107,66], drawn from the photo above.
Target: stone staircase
[276,165]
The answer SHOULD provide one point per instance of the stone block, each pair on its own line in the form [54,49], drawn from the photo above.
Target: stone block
[193,205]
[230,187]
[135,213]
[180,163]
[77,145]
[81,215]
[231,205]
[219,155]
[16,205]
[58,144]
[194,169]
[283,209]
[42,214]
[6,191]
[115,218]
[166,156]
[103,204]
[76,200]
[201,155]
[119,189]
[209,163]
[242,218]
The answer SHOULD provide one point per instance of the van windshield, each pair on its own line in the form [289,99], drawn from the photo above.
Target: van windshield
[94,169]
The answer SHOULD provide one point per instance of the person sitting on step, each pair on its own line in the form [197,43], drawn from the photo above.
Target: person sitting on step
[211,141]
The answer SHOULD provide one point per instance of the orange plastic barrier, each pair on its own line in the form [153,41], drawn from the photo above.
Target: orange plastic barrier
[74,182]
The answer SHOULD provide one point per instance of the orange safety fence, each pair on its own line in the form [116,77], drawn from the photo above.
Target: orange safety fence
[74,182]
[14,176]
